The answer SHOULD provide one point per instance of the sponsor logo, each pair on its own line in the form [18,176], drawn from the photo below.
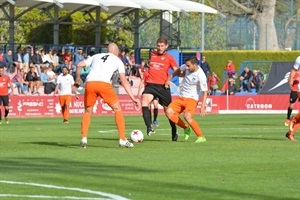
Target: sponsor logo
[282,82]
[252,105]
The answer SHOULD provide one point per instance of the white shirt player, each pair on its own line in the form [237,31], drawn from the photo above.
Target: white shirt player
[103,66]
[193,83]
[65,84]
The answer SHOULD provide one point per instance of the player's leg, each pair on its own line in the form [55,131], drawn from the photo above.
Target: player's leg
[165,98]
[67,109]
[90,98]
[6,108]
[1,100]
[147,97]
[109,96]
[293,98]
[62,105]
[189,112]
[155,112]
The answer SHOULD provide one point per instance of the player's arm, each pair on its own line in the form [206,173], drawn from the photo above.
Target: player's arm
[140,88]
[12,88]
[291,78]
[203,105]
[56,89]
[80,65]
[127,88]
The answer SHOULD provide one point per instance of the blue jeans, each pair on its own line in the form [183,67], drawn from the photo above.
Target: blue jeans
[23,87]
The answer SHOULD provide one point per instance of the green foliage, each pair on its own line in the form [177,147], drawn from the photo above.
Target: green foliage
[245,157]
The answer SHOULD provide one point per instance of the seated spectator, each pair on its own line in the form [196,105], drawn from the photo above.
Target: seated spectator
[8,58]
[33,79]
[213,81]
[244,78]
[256,80]
[19,82]
[232,89]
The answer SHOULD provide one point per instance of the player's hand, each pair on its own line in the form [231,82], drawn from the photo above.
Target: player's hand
[77,84]
[137,103]
[167,84]
[203,111]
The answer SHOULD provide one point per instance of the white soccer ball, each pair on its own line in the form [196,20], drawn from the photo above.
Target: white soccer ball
[136,136]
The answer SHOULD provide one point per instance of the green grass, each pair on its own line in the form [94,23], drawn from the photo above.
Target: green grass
[245,157]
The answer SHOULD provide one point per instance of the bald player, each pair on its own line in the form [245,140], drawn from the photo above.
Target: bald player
[98,84]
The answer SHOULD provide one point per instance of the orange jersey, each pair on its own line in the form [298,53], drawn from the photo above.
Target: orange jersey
[296,80]
[4,82]
[159,67]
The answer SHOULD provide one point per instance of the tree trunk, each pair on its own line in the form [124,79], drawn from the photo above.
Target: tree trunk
[266,27]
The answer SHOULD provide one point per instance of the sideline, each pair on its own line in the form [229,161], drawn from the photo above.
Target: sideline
[110,196]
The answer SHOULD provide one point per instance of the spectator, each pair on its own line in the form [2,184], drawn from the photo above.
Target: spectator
[84,72]
[37,61]
[205,66]
[245,79]
[232,89]
[134,69]
[54,60]
[26,58]
[66,55]
[213,81]
[8,59]
[230,69]
[18,58]
[1,56]
[33,79]
[78,56]
[124,58]
[19,82]
[256,80]
[142,68]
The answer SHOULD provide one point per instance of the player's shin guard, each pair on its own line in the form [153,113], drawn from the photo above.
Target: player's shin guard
[146,116]
[173,127]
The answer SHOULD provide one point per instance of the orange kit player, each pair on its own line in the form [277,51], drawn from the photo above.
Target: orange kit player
[295,121]
[157,84]
[65,85]
[98,84]
[189,94]
[4,100]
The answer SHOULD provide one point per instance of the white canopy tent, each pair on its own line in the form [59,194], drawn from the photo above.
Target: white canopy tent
[114,7]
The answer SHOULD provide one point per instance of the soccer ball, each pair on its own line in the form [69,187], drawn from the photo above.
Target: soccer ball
[136,136]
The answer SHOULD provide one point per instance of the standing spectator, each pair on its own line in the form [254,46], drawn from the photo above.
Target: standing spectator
[213,81]
[133,64]
[123,57]
[37,61]
[65,86]
[27,54]
[33,79]
[78,56]
[157,84]
[19,82]
[245,79]
[142,67]
[256,80]
[194,78]
[66,55]
[18,58]
[5,82]
[230,69]
[8,58]
[205,66]
[293,82]
[98,84]
[55,60]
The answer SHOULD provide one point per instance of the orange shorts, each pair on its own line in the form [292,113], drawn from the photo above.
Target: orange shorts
[95,89]
[182,104]
[65,100]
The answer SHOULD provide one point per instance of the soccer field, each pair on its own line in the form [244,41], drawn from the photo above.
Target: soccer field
[245,157]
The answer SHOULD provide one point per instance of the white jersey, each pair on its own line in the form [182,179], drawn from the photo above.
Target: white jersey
[103,66]
[65,84]
[193,83]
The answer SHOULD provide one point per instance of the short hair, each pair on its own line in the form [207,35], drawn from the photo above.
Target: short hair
[192,59]
[162,40]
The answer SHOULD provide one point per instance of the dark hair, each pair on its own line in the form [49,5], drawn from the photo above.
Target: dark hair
[192,59]
[162,40]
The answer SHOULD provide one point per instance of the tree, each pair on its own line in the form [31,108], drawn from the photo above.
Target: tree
[262,12]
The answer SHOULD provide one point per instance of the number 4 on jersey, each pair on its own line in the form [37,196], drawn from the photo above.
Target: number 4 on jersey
[104,58]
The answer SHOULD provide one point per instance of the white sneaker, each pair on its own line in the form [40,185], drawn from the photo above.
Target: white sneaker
[125,143]
[83,143]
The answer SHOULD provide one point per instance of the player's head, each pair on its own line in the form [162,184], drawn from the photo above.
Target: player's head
[64,70]
[162,45]
[191,63]
[113,48]
[297,63]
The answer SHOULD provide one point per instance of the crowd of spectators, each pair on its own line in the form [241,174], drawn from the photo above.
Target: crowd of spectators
[32,68]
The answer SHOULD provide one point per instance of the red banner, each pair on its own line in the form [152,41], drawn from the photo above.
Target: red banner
[43,106]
